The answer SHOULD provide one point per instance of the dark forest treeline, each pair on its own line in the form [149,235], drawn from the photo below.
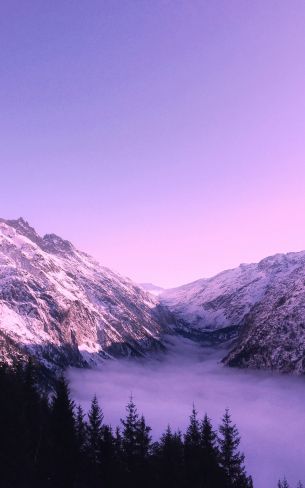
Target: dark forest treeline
[50,443]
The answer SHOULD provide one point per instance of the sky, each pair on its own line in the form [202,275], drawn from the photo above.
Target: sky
[165,138]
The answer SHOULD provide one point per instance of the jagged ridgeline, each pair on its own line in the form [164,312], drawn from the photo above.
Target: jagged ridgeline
[60,306]
[259,307]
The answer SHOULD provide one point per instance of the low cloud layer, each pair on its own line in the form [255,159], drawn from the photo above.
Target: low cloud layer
[269,409]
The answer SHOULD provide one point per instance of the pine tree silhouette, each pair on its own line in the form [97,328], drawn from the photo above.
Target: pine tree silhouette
[136,447]
[81,429]
[193,451]
[143,452]
[283,483]
[129,434]
[231,459]
[211,470]
[94,429]
[108,457]
[169,460]
[44,444]
[143,439]
[63,440]
[81,432]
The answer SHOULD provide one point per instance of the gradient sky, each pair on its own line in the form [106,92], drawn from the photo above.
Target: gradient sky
[166,138]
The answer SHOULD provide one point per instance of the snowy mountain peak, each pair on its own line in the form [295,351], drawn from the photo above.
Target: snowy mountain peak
[60,305]
[151,288]
[57,245]
[22,227]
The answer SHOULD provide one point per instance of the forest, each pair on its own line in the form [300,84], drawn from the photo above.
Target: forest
[48,441]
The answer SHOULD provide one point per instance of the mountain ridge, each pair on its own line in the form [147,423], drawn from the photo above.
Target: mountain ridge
[260,304]
[62,306]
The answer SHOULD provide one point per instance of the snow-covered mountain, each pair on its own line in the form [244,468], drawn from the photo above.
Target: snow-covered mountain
[61,306]
[151,288]
[262,304]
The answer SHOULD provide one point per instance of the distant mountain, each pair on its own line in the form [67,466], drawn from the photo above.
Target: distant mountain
[261,305]
[62,307]
[151,288]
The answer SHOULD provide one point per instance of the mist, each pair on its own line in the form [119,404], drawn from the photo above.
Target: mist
[269,409]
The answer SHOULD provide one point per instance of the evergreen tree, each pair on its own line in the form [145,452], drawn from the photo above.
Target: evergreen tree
[43,444]
[143,439]
[95,422]
[283,483]
[119,458]
[143,452]
[169,460]
[13,430]
[118,442]
[208,438]
[34,411]
[231,459]
[108,457]
[211,471]
[136,447]
[81,429]
[63,449]
[193,451]
[81,432]
[129,434]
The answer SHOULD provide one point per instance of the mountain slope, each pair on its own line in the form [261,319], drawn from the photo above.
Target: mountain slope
[60,305]
[151,288]
[263,303]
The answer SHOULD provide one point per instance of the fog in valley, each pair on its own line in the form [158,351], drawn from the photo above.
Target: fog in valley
[268,409]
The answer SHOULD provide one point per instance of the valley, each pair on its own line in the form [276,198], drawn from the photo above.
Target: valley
[267,407]
[222,342]
[61,307]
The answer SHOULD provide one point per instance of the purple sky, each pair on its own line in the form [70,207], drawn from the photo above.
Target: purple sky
[166,138]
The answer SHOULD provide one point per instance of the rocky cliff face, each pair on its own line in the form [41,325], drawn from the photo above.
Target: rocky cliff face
[262,305]
[61,306]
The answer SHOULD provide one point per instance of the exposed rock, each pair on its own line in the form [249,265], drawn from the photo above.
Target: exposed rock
[61,306]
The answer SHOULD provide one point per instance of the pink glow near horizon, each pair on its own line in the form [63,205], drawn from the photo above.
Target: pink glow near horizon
[164,138]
